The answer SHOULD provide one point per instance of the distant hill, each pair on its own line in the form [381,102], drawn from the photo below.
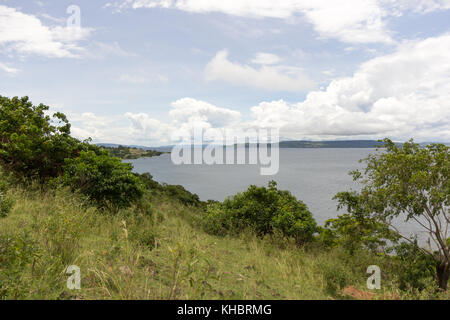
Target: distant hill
[288,144]
[331,144]
[129,152]
[115,145]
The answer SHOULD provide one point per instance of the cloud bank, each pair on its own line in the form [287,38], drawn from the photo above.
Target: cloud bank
[401,95]
[25,34]
[351,21]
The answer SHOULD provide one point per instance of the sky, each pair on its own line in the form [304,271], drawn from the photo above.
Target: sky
[144,71]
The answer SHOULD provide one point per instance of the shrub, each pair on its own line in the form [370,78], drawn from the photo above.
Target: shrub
[218,221]
[265,210]
[6,202]
[16,254]
[104,179]
[147,180]
[144,237]
[33,145]
[354,232]
[175,192]
[414,267]
[181,194]
[336,276]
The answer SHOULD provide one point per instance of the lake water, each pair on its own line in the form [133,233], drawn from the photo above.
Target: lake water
[312,175]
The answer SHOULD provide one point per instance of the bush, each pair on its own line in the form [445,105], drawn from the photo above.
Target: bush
[175,192]
[265,210]
[181,194]
[6,202]
[354,233]
[356,230]
[104,179]
[33,145]
[16,254]
[336,276]
[147,180]
[218,221]
[414,267]
[144,237]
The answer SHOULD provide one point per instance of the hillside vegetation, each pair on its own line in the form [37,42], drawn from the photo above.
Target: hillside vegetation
[125,153]
[162,253]
[65,202]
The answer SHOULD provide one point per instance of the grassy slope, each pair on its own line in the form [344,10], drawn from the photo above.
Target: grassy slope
[118,260]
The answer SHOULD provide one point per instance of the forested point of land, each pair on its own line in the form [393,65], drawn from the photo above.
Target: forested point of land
[127,153]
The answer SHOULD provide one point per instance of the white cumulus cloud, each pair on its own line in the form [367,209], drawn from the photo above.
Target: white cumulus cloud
[7,69]
[404,94]
[359,21]
[401,95]
[25,34]
[269,77]
[265,58]
[352,21]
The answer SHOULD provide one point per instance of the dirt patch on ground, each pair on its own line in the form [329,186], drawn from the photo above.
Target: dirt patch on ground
[366,295]
[357,294]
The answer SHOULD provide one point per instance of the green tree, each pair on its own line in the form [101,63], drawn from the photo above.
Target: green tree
[415,267]
[354,229]
[104,179]
[265,210]
[411,182]
[33,144]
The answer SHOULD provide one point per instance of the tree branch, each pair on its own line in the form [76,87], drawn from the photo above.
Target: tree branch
[430,253]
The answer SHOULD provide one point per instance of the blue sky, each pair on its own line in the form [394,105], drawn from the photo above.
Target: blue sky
[138,71]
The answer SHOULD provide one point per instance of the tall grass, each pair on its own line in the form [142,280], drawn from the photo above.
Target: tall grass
[160,253]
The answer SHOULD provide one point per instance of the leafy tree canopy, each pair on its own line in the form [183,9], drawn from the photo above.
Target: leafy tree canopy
[412,182]
[33,144]
[266,210]
[104,179]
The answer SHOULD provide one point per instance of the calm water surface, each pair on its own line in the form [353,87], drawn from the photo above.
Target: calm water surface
[312,175]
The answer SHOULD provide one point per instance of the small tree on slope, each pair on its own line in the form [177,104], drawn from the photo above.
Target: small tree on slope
[414,182]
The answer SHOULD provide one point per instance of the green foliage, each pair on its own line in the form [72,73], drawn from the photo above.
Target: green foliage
[175,192]
[37,146]
[181,194]
[410,181]
[147,180]
[407,179]
[133,255]
[356,230]
[63,233]
[33,145]
[336,277]
[219,221]
[144,237]
[123,152]
[415,268]
[104,179]
[16,255]
[6,202]
[264,210]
